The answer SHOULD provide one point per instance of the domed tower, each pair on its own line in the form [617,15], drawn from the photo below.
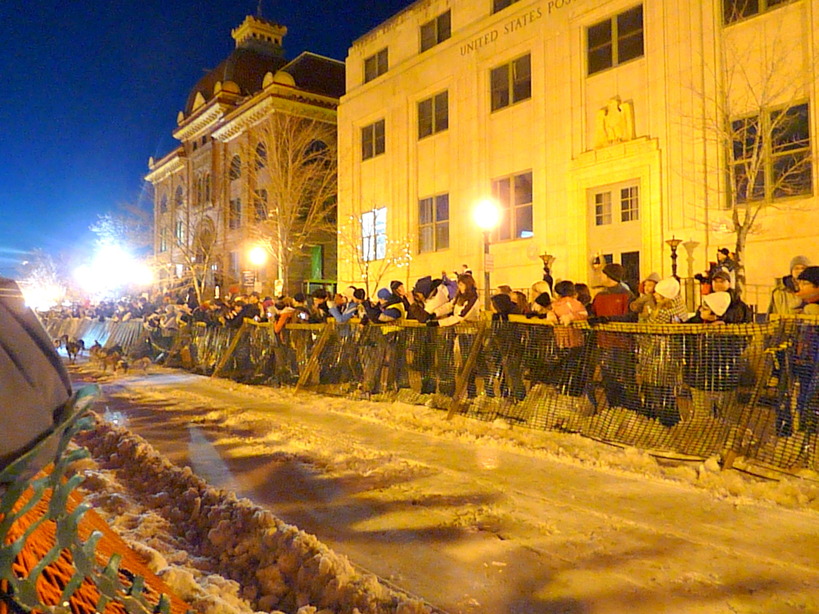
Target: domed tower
[258,51]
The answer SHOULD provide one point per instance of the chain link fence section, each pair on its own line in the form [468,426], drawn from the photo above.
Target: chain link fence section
[699,390]
[56,555]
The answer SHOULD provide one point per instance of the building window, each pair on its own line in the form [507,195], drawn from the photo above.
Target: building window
[433,223]
[602,209]
[772,155]
[179,201]
[736,10]
[616,40]
[163,204]
[499,5]
[514,195]
[436,31]
[180,232]
[261,156]
[163,240]
[433,114]
[629,204]
[235,214]
[511,82]
[260,205]
[606,200]
[374,234]
[375,65]
[207,188]
[235,168]
[372,140]
[234,264]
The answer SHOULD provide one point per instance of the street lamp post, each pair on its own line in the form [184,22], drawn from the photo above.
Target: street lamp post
[257,256]
[674,243]
[486,215]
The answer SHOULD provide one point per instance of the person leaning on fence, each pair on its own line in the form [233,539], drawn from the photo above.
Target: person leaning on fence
[738,312]
[646,303]
[660,355]
[570,340]
[784,300]
[432,356]
[806,352]
[463,308]
[344,308]
[504,351]
[713,362]
[615,353]
[388,350]
[320,308]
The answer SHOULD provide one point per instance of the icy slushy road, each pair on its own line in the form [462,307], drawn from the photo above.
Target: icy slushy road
[460,515]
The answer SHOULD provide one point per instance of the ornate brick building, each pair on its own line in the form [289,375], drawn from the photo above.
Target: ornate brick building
[218,195]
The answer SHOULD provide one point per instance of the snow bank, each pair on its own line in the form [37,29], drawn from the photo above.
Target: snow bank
[277,566]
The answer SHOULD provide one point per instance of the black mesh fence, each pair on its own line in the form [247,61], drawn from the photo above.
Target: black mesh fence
[736,390]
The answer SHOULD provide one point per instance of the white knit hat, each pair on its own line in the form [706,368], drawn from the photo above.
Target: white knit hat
[668,287]
[717,302]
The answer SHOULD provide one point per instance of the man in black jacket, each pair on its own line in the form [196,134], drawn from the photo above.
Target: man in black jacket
[738,312]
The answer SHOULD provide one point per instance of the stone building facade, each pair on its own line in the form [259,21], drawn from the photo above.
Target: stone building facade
[602,127]
[213,193]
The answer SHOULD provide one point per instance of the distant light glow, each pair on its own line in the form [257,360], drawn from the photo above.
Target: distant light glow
[42,297]
[111,269]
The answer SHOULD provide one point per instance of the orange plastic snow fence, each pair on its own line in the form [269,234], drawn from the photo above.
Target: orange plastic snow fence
[55,576]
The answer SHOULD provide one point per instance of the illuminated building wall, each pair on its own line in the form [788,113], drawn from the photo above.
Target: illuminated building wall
[597,123]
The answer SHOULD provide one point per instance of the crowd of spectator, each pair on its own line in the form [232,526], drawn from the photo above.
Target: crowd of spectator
[453,298]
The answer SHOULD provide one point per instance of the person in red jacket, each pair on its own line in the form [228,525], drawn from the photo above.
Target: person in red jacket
[615,352]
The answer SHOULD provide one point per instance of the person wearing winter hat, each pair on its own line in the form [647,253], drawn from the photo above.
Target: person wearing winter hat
[783,297]
[808,291]
[503,355]
[713,363]
[660,356]
[538,288]
[613,300]
[389,347]
[805,356]
[738,312]
[571,374]
[644,304]
[616,352]
[541,307]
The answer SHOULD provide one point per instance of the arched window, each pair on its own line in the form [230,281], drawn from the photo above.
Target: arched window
[163,204]
[261,155]
[180,197]
[199,191]
[207,188]
[235,168]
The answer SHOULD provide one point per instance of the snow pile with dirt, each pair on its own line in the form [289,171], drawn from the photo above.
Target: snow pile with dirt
[221,554]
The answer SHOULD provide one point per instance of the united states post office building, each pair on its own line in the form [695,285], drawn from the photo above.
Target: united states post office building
[598,126]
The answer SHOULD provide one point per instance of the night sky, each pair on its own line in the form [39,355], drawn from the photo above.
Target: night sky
[91,89]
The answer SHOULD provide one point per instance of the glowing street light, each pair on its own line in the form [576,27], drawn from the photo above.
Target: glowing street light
[487,216]
[257,257]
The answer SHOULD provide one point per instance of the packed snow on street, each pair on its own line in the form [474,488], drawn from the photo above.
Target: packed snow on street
[412,512]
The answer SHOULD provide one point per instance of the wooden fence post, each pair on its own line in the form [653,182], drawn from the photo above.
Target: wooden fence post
[462,381]
[313,361]
[231,349]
